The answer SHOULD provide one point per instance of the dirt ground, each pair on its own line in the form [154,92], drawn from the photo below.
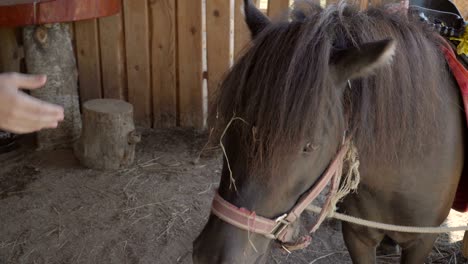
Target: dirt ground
[54,211]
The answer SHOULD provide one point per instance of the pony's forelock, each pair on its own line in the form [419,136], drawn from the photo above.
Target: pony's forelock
[282,88]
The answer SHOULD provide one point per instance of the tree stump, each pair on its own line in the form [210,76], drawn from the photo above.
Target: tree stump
[49,50]
[108,139]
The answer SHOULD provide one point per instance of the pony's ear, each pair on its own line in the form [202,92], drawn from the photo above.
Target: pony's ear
[254,18]
[361,61]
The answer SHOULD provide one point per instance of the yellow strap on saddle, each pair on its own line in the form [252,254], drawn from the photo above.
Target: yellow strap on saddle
[462,47]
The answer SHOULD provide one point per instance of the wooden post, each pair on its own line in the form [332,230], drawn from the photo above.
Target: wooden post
[87,45]
[49,50]
[138,59]
[164,62]
[109,137]
[376,2]
[9,51]
[189,20]
[277,7]
[364,4]
[241,31]
[111,37]
[218,38]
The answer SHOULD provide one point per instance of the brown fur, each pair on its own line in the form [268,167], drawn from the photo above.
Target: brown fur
[282,85]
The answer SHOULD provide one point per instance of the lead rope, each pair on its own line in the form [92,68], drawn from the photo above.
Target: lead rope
[349,184]
[388,227]
[340,187]
[351,181]
[338,190]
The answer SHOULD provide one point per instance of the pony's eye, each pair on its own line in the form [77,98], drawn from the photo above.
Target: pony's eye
[309,147]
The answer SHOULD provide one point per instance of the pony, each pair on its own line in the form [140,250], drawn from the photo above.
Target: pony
[304,83]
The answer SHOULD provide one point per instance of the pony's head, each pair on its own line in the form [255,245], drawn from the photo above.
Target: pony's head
[281,116]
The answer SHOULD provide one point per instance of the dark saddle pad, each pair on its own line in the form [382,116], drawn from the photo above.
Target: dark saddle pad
[445,17]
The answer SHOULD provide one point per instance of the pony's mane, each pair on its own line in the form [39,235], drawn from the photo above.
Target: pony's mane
[281,86]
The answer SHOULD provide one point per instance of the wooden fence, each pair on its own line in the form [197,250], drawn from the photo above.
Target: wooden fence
[166,57]
[157,56]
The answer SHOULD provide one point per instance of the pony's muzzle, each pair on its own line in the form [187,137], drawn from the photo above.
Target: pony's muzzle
[220,242]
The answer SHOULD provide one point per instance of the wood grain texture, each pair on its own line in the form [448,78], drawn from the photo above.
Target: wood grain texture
[164,61]
[190,63]
[138,59]
[87,45]
[111,36]
[277,7]
[49,50]
[9,51]
[218,38]
[108,139]
[375,2]
[241,31]
[364,4]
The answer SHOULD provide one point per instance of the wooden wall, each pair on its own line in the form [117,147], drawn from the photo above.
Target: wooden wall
[152,55]
[166,57]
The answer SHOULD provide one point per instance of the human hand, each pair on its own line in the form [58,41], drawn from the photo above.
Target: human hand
[403,7]
[21,113]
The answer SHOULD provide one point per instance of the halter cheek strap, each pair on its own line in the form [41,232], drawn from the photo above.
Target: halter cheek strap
[280,228]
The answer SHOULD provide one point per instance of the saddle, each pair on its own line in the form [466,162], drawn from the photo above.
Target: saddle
[448,21]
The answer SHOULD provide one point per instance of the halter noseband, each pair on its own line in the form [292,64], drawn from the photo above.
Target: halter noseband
[280,228]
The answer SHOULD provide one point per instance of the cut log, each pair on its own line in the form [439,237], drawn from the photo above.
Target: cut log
[49,51]
[108,139]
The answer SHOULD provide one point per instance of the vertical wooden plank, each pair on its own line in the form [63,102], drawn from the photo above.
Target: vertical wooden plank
[277,7]
[241,32]
[138,59]
[112,57]
[73,36]
[87,45]
[218,38]
[163,47]
[189,16]
[364,4]
[9,51]
[376,2]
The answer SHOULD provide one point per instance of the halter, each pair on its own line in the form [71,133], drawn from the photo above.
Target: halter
[281,228]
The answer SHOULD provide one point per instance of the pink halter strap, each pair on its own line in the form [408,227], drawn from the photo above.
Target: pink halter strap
[280,228]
